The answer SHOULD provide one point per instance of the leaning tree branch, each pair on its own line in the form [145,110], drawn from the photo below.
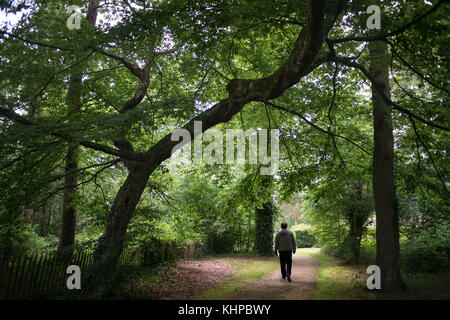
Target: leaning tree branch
[303,59]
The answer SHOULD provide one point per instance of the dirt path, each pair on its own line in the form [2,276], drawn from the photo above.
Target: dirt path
[191,278]
[273,287]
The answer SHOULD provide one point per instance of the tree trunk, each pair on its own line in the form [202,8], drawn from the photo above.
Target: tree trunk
[69,215]
[264,229]
[101,274]
[354,237]
[357,218]
[387,233]
[264,221]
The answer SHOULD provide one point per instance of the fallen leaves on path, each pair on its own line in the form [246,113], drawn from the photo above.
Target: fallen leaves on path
[182,281]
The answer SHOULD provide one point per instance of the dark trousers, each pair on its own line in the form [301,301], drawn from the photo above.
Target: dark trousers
[285,261]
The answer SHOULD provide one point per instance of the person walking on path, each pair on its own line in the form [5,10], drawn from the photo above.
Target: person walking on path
[286,246]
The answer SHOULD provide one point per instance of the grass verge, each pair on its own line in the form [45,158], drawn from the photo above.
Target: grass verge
[337,280]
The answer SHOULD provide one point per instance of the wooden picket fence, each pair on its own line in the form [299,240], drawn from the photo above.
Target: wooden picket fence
[43,275]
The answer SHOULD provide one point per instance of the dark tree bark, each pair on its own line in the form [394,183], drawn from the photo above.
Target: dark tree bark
[69,214]
[101,274]
[387,230]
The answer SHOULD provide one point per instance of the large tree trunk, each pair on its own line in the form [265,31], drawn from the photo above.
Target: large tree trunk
[69,215]
[387,232]
[101,274]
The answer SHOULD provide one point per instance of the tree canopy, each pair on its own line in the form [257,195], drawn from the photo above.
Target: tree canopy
[87,117]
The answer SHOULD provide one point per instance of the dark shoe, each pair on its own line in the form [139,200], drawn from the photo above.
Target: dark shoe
[283,277]
[289,278]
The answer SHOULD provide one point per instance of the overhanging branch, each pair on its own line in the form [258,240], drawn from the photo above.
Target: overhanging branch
[11,115]
[302,60]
